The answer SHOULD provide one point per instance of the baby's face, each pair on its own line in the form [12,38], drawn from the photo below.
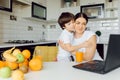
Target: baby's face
[70,26]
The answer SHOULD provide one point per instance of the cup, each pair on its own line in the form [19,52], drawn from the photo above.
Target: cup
[79,56]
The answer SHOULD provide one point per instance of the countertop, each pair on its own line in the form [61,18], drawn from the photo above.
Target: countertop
[65,71]
[2,45]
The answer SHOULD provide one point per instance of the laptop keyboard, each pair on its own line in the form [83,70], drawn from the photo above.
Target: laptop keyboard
[95,65]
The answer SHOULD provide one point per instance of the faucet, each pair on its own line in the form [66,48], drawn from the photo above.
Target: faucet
[43,36]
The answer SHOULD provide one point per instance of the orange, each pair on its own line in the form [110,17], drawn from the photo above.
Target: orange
[35,64]
[79,56]
[2,64]
[12,65]
[26,53]
[26,62]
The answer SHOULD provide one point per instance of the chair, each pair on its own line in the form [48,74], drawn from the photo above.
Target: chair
[48,53]
[52,53]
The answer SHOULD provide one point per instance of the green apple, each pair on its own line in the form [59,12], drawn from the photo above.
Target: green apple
[20,58]
[5,72]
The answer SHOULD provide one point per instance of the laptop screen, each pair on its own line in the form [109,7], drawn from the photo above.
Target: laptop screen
[113,53]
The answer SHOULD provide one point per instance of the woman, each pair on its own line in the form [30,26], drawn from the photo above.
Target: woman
[82,36]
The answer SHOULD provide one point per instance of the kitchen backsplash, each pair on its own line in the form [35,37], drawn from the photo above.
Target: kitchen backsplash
[20,29]
[106,27]
[25,29]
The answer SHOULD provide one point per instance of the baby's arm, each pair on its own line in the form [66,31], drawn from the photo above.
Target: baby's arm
[71,48]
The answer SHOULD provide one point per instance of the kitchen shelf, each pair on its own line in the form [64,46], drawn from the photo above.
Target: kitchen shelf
[99,19]
[40,20]
[51,21]
[72,4]
[110,9]
[35,19]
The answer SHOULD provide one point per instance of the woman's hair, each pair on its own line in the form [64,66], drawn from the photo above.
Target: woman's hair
[83,15]
[64,18]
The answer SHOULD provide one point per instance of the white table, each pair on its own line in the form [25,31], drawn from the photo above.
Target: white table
[65,71]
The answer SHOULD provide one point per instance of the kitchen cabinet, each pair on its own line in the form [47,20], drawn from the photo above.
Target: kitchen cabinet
[53,9]
[73,3]
[56,7]
[35,12]
[32,9]
[73,10]
[29,47]
[28,2]
[26,12]
[111,9]
[86,2]
[24,2]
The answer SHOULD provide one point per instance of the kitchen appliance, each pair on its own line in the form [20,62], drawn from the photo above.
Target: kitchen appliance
[38,11]
[20,41]
[6,5]
[93,11]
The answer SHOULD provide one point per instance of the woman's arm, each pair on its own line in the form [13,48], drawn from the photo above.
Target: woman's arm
[90,51]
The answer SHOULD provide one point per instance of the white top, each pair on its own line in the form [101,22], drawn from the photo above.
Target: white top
[66,37]
[65,71]
[86,36]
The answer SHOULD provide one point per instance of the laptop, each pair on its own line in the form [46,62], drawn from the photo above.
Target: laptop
[111,62]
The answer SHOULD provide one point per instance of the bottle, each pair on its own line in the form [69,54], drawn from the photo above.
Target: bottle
[43,36]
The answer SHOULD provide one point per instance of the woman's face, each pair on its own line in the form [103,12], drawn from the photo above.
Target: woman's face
[80,25]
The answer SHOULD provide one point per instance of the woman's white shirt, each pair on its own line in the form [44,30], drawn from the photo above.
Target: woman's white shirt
[66,37]
[86,36]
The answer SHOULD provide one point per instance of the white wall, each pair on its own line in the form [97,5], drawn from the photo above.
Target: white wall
[53,31]
[119,13]
[106,27]
[15,30]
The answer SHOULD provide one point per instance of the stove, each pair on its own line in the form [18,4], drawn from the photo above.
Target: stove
[20,41]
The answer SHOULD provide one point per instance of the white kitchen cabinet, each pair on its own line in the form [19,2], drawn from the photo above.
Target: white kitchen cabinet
[73,10]
[53,9]
[111,9]
[41,2]
[28,12]
[89,2]
[25,2]
[28,2]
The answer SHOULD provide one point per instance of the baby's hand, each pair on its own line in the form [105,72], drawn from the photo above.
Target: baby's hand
[61,44]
